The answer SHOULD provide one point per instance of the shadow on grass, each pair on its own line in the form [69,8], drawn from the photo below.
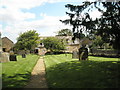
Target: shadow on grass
[84,74]
[15,81]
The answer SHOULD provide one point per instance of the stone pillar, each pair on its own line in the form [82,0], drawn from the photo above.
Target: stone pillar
[0,48]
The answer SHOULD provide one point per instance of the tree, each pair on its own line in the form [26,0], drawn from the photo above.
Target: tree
[79,22]
[97,42]
[64,32]
[108,26]
[27,40]
[53,44]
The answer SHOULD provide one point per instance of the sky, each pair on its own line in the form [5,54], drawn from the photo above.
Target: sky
[18,16]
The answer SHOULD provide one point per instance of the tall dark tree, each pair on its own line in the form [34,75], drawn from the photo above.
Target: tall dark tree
[81,23]
[108,26]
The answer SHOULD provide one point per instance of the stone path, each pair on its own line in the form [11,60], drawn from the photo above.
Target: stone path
[38,76]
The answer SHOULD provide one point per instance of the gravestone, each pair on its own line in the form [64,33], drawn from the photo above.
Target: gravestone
[82,54]
[23,56]
[12,56]
[4,56]
[75,54]
[23,53]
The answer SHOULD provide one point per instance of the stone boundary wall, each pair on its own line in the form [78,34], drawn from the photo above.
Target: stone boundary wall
[20,52]
[115,52]
[105,53]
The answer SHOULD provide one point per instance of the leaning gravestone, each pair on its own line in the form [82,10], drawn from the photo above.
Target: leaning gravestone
[4,56]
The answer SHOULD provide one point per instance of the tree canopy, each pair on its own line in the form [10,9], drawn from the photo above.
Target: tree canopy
[53,44]
[107,26]
[64,32]
[27,40]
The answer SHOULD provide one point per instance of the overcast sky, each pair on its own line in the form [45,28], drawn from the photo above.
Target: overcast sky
[18,16]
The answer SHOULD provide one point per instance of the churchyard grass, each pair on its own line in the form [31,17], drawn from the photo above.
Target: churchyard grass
[16,74]
[98,72]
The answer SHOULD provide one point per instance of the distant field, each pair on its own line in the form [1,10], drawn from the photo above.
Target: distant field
[64,72]
[15,74]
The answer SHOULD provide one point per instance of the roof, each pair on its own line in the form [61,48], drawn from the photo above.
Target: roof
[7,38]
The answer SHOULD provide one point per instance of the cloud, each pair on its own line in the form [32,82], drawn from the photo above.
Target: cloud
[9,15]
[17,21]
[28,4]
[46,26]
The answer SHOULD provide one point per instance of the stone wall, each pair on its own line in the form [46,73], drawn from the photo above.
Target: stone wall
[20,52]
[71,48]
[108,52]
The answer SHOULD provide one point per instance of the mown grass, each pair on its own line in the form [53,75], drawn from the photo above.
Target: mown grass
[16,74]
[64,72]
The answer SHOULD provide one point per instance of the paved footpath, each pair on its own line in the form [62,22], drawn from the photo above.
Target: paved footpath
[38,76]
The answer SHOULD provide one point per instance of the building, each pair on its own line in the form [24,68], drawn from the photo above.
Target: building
[7,44]
[40,50]
[70,45]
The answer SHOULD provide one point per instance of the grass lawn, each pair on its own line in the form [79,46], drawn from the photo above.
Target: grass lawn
[16,74]
[99,72]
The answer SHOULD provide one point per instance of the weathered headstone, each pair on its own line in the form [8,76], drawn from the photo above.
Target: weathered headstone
[23,56]
[23,53]
[12,56]
[75,54]
[84,54]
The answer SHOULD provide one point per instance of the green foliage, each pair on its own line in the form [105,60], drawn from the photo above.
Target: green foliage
[65,72]
[64,32]
[97,42]
[53,44]
[78,22]
[16,74]
[107,26]
[27,40]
